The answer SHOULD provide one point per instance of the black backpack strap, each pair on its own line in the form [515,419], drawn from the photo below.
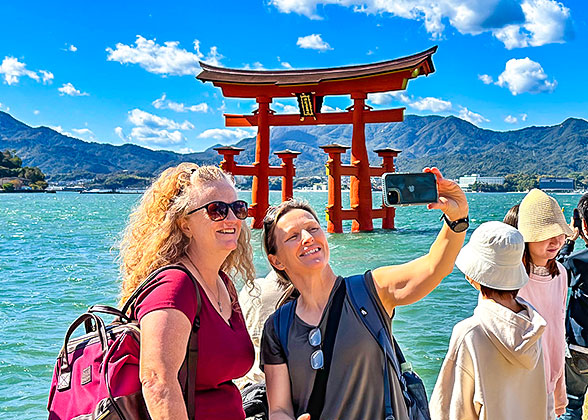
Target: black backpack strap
[132,300]
[191,360]
[283,318]
[187,372]
[316,401]
[367,310]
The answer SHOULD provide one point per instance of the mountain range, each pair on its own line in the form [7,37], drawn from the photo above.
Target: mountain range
[456,146]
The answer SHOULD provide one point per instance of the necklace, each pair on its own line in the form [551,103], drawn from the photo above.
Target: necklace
[217,297]
[218,292]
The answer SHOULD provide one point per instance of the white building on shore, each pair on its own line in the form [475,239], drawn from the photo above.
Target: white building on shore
[466,181]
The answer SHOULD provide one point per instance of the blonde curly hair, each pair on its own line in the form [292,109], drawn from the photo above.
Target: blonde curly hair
[153,237]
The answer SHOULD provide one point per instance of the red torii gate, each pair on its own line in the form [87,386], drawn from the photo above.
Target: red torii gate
[310,87]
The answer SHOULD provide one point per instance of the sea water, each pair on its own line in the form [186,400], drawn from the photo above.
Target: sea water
[58,255]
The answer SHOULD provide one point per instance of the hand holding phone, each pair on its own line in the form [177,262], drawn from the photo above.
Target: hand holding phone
[408,189]
[452,200]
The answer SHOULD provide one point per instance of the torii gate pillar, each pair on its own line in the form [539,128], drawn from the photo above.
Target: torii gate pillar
[260,188]
[360,184]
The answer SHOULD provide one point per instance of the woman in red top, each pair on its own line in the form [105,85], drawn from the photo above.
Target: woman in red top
[190,216]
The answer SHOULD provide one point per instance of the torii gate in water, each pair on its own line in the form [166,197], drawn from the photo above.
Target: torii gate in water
[310,87]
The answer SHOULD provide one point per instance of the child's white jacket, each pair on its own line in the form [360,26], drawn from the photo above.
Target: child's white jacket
[493,369]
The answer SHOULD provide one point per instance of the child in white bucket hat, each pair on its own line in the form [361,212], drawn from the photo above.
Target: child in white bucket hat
[494,365]
[544,228]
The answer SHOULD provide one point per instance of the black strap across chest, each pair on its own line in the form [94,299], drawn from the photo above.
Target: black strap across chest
[319,389]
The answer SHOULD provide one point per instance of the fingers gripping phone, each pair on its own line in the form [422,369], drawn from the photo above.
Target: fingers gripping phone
[408,189]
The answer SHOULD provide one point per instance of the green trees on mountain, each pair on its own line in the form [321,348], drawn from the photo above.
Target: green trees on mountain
[521,182]
[11,167]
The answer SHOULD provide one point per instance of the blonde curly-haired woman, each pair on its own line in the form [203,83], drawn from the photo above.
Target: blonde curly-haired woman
[190,216]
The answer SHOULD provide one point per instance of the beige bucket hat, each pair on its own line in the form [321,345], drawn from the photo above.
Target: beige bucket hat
[493,257]
[540,217]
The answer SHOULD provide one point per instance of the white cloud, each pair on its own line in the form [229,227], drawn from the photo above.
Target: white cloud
[213,58]
[13,70]
[383,98]
[47,76]
[164,103]
[525,75]
[514,22]
[313,42]
[142,118]
[84,132]
[60,130]
[119,132]
[72,48]
[291,109]
[285,108]
[431,104]
[36,112]
[421,104]
[511,120]
[70,90]
[466,114]
[153,129]
[225,135]
[302,7]
[284,64]
[524,117]
[546,22]
[255,66]
[327,108]
[166,59]
[486,79]
[186,150]
[4,107]
[156,136]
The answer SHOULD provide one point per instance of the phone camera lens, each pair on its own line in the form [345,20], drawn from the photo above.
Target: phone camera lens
[393,197]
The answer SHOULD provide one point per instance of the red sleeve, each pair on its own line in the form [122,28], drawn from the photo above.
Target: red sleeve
[173,290]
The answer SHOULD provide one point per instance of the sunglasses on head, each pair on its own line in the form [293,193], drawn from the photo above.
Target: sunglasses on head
[219,210]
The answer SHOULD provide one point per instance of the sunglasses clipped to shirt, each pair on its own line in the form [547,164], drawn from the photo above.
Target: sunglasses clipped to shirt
[219,210]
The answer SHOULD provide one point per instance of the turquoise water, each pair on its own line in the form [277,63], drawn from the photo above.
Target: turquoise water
[58,256]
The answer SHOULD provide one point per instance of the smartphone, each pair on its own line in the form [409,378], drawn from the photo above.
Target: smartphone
[408,189]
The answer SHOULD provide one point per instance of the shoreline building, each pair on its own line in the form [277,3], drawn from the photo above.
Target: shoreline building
[466,181]
[556,184]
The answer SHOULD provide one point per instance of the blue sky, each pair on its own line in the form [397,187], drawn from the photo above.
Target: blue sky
[119,72]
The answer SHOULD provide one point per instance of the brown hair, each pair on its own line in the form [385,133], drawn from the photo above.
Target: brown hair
[502,294]
[512,216]
[583,210]
[273,215]
[153,237]
[551,265]
[583,207]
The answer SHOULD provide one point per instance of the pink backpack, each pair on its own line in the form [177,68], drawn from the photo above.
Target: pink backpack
[96,376]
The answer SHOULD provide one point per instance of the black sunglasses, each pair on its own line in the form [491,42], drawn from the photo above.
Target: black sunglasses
[219,210]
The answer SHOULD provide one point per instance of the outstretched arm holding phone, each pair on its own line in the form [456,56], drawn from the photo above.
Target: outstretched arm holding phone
[407,283]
